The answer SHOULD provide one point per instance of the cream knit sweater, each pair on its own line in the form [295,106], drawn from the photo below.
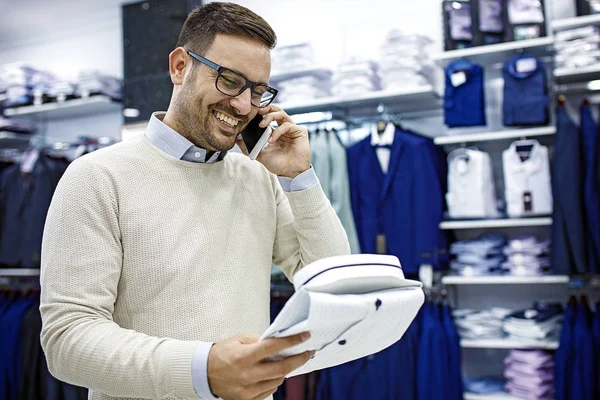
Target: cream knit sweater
[144,254]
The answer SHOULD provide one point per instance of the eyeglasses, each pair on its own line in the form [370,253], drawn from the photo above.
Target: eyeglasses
[232,83]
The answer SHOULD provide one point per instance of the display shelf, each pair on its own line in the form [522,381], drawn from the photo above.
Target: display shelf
[584,74]
[496,223]
[419,99]
[67,109]
[504,280]
[493,396]
[497,135]
[321,73]
[19,272]
[498,53]
[503,343]
[576,22]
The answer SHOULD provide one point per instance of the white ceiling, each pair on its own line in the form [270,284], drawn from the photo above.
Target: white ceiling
[24,21]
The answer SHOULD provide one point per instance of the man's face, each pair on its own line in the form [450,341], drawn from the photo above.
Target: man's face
[202,108]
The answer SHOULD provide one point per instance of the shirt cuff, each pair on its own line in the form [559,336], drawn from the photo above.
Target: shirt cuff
[200,370]
[303,181]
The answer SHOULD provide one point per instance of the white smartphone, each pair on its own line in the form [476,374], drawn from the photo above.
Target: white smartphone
[255,138]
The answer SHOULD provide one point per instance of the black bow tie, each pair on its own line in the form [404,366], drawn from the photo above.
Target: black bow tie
[383,146]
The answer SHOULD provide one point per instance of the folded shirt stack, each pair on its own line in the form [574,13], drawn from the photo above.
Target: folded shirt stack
[481,256]
[527,256]
[483,324]
[18,81]
[402,61]
[576,48]
[530,374]
[304,88]
[542,322]
[16,125]
[355,77]
[93,83]
[292,58]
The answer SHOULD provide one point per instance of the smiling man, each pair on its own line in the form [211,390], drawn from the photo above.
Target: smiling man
[157,251]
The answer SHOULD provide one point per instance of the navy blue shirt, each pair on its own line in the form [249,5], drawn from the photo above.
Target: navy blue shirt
[464,104]
[525,98]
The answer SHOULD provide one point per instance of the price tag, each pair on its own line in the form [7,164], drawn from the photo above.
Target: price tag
[525,65]
[458,78]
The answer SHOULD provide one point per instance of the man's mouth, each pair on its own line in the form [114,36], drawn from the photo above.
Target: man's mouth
[226,119]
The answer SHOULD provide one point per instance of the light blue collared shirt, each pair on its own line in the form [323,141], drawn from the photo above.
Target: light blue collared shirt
[174,144]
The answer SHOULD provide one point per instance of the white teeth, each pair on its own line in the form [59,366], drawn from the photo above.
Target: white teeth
[226,119]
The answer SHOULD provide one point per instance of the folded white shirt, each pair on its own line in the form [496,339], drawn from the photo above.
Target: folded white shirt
[353,306]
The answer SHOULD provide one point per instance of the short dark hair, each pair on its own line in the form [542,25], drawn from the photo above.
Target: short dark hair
[205,22]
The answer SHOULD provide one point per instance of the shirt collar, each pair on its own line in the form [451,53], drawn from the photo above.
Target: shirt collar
[174,144]
[533,162]
[386,138]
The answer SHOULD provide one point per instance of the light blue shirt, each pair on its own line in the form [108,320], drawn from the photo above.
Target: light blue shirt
[168,140]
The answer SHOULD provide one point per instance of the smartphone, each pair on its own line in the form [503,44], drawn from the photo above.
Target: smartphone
[255,138]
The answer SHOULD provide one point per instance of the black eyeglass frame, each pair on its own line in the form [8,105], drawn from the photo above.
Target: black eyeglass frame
[249,84]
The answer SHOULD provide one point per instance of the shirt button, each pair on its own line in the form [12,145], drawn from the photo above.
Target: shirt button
[197,154]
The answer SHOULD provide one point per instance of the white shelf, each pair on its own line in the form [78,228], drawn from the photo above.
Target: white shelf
[498,135]
[321,73]
[584,74]
[67,109]
[19,272]
[576,22]
[493,396]
[421,99]
[496,223]
[508,344]
[498,53]
[504,280]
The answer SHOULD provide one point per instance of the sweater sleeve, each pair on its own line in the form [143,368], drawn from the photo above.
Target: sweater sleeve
[308,229]
[81,267]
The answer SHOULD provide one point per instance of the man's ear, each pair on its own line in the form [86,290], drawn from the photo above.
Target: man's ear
[179,62]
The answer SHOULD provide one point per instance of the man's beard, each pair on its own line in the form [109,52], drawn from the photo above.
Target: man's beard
[197,125]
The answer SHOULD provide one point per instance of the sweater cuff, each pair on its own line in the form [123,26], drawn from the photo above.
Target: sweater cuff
[312,198]
[200,370]
[180,359]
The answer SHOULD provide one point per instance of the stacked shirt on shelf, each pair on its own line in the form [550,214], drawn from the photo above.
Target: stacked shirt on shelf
[94,82]
[355,77]
[471,191]
[542,322]
[530,374]
[403,58]
[304,88]
[481,256]
[577,48]
[292,58]
[18,81]
[527,256]
[482,324]
[464,98]
[527,184]
[494,255]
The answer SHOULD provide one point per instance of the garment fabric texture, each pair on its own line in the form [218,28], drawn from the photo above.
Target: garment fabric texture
[24,202]
[591,186]
[568,229]
[405,205]
[529,176]
[525,99]
[353,306]
[464,104]
[105,234]
[331,166]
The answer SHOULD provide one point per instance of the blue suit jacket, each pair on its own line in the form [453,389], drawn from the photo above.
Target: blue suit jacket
[591,187]
[406,204]
[568,229]
[24,204]
[565,355]
[584,365]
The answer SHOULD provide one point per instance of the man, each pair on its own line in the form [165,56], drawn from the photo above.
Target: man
[157,251]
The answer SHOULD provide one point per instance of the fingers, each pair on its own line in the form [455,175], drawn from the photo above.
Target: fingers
[278,369]
[265,389]
[280,117]
[290,130]
[270,347]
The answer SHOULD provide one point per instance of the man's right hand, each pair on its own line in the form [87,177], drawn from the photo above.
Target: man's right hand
[237,369]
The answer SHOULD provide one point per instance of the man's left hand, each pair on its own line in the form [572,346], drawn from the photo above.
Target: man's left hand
[288,151]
